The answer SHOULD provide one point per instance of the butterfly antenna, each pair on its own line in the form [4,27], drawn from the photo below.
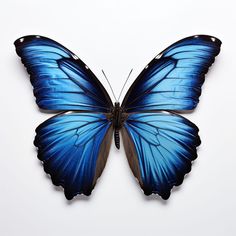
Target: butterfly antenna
[109,85]
[125,84]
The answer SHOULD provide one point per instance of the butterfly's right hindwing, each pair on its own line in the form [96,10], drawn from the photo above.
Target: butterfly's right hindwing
[160,147]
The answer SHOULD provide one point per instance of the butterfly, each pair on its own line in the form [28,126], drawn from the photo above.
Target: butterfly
[159,143]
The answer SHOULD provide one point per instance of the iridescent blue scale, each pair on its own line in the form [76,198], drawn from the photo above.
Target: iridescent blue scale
[160,145]
[166,145]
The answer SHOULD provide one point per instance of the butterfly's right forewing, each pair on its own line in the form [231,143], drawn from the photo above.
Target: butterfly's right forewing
[173,79]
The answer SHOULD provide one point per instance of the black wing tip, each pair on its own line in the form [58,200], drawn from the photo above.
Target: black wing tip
[27,38]
[206,37]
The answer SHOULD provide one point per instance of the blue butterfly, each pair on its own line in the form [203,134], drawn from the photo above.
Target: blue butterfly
[160,144]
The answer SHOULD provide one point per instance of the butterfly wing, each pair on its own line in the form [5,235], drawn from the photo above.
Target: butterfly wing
[173,80]
[73,147]
[160,147]
[61,81]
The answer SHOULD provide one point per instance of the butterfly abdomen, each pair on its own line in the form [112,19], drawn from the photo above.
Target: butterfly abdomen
[117,138]
[117,123]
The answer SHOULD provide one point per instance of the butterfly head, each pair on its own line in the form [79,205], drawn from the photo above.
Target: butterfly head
[117,105]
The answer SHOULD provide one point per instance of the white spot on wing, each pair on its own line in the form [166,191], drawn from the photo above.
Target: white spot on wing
[158,56]
[196,36]
[75,57]
[213,39]
[86,67]
[22,40]
[146,66]
[37,36]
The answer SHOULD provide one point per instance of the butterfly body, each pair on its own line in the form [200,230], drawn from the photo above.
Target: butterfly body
[159,143]
[118,118]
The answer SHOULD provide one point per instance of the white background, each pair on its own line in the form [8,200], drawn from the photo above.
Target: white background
[117,36]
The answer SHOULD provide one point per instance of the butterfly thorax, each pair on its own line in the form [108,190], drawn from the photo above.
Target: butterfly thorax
[118,118]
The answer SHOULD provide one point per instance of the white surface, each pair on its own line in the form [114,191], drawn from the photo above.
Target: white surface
[118,36]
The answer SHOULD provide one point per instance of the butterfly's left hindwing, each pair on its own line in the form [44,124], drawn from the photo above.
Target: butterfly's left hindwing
[60,79]
[160,147]
[74,148]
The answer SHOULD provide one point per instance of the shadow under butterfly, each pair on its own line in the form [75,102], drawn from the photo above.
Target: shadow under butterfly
[160,144]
